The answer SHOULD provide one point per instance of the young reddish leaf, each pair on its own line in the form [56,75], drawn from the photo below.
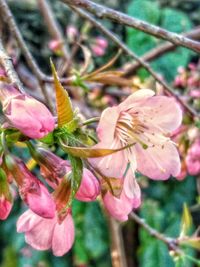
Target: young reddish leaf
[104,67]
[85,152]
[63,103]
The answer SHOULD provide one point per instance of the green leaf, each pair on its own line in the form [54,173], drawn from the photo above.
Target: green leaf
[63,102]
[148,11]
[197,124]
[76,176]
[47,139]
[96,234]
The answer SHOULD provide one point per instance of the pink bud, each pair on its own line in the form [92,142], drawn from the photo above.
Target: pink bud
[97,50]
[193,165]
[5,207]
[192,66]
[52,166]
[71,33]
[89,188]
[25,113]
[40,201]
[195,93]
[182,175]
[119,208]
[31,190]
[102,42]
[55,45]
[5,196]
[193,158]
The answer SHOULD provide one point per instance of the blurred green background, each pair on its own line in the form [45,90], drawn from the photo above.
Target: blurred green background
[162,201]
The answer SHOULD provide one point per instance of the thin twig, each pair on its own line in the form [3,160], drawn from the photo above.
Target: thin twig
[159,51]
[104,12]
[8,18]
[6,62]
[170,242]
[117,41]
[53,26]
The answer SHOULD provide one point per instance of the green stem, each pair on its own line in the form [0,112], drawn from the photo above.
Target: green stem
[89,121]
[3,143]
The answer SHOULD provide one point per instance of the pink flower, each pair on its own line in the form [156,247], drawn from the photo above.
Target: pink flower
[130,199]
[6,200]
[55,45]
[98,50]
[102,42]
[193,158]
[195,93]
[145,121]
[52,167]
[72,33]
[31,190]
[25,113]
[43,234]
[89,188]
[5,207]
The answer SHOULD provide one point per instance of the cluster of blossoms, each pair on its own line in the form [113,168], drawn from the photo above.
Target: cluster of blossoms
[97,44]
[188,83]
[142,124]
[188,79]
[189,149]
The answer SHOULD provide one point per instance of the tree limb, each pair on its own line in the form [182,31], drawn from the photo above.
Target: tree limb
[159,51]
[104,12]
[120,44]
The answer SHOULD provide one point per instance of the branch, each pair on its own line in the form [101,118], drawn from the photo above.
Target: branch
[53,26]
[170,242]
[117,248]
[117,41]
[8,17]
[6,62]
[105,12]
[159,51]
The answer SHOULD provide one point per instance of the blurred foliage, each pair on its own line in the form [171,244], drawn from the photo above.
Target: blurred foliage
[167,18]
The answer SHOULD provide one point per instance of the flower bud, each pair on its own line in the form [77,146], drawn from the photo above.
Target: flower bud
[102,42]
[31,190]
[62,196]
[56,166]
[119,208]
[55,45]
[25,113]
[89,188]
[71,33]
[5,196]
[193,158]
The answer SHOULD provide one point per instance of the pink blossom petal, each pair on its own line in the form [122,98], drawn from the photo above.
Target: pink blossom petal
[107,124]
[113,165]
[42,203]
[136,97]
[119,208]
[63,236]
[158,163]
[131,188]
[89,188]
[163,112]
[40,236]
[27,221]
